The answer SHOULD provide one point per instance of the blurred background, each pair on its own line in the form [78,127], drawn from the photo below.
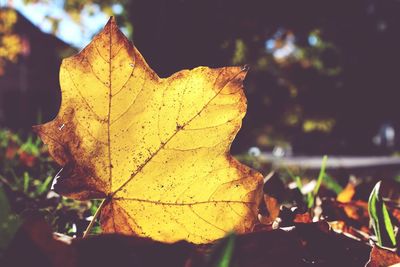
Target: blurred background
[323,79]
[323,75]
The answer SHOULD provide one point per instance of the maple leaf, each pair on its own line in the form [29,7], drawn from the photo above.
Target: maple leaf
[157,149]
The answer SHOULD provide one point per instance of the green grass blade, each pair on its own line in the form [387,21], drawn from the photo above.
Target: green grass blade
[330,183]
[227,252]
[310,200]
[380,219]
[321,175]
[9,223]
[4,206]
[298,182]
[26,182]
[43,187]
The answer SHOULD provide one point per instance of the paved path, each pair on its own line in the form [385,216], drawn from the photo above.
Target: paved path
[334,162]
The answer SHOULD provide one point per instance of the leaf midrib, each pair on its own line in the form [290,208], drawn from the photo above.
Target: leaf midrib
[109,107]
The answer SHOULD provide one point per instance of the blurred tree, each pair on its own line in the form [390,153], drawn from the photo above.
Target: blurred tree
[331,62]
[29,87]
[11,45]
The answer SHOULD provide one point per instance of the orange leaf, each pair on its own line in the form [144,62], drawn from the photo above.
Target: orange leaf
[380,257]
[347,194]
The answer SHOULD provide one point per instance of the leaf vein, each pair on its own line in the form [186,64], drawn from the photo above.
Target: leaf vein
[83,98]
[130,105]
[140,167]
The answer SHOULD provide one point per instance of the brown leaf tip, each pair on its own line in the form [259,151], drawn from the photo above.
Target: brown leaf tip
[246,67]
[111,22]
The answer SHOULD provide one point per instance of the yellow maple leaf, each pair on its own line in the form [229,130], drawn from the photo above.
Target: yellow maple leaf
[156,149]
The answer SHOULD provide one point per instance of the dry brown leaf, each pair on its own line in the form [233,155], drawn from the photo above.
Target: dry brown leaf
[272,209]
[157,149]
[34,244]
[303,218]
[356,210]
[382,258]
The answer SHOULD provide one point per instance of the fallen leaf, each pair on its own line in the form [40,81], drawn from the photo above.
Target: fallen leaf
[303,245]
[273,192]
[380,257]
[347,194]
[27,159]
[356,210]
[396,213]
[302,218]
[271,208]
[34,244]
[157,149]
[11,151]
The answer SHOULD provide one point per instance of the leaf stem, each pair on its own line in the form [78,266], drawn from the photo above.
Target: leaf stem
[96,214]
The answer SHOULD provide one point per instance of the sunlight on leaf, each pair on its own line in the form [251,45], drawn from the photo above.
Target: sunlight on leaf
[157,149]
[348,192]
